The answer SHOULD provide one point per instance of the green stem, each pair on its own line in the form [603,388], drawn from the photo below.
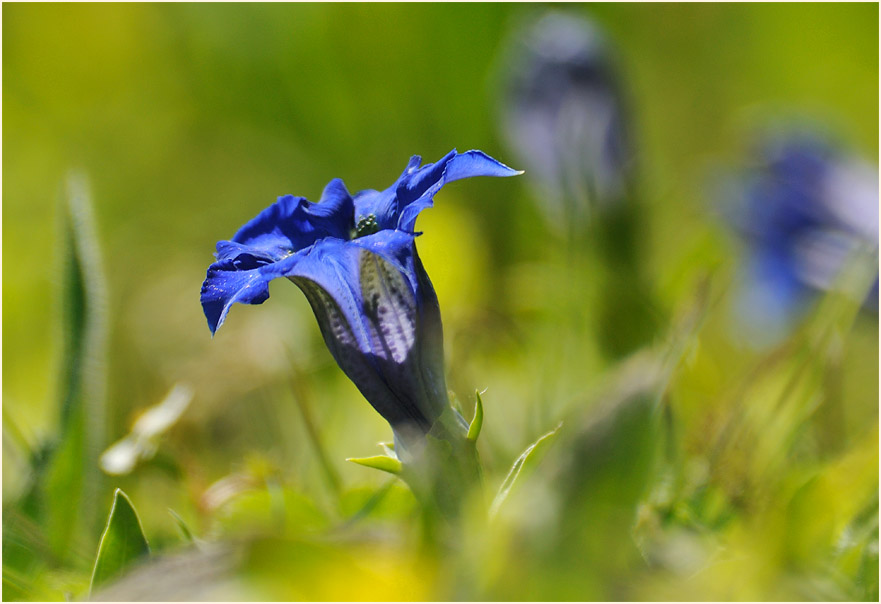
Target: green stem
[443,470]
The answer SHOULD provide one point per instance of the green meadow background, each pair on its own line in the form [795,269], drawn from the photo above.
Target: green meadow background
[756,477]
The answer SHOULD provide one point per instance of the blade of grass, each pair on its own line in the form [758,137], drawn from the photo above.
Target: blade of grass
[302,401]
[529,454]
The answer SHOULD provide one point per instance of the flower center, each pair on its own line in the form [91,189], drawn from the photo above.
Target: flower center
[367,225]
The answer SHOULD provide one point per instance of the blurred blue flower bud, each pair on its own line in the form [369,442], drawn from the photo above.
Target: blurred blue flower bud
[355,260]
[563,114]
[803,209]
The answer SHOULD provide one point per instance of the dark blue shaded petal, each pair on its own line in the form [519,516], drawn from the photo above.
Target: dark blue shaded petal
[371,314]
[391,316]
[341,335]
[431,340]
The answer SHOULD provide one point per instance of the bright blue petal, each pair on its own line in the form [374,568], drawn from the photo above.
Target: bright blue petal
[394,245]
[267,246]
[412,166]
[226,285]
[293,223]
[398,206]
[415,183]
[374,303]
[382,205]
[244,257]
[334,197]
[429,180]
[476,163]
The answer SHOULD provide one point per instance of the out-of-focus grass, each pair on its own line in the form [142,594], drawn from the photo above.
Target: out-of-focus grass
[742,475]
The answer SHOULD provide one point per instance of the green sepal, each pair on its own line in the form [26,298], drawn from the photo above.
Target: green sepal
[379,462]
[530,453]
[122,543]
[477,421]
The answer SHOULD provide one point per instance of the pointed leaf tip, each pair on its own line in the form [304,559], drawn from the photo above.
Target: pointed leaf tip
[122,542]
[527,455]
[185,531]
[379,462]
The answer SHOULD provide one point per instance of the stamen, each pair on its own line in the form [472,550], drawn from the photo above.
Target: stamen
[367,225]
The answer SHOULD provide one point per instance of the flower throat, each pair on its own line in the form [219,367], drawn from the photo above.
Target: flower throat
[367,225]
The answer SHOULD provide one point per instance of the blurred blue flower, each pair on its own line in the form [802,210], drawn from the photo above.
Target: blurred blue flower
[355,260]
[803,209]
[563,114]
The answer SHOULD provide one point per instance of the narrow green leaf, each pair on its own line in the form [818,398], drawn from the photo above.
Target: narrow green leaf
[379,462]
[182,526]
[83,307]
[70,478]
[477,422]
[122,543]
[529,454]
[63,488]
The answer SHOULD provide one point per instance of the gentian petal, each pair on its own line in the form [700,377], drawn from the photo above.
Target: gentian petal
[393,245]
[382,205]
[266,248]
[370,317]
[293,223]
[339,312]
[417,182]
[374,303]
[412,166]
[244,256]
[225,285]
[424,185]
[334,196]
[392,318]
[476,163]
[431,340]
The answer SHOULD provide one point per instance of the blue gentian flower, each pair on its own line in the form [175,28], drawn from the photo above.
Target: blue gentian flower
[803,209]
[355,259]
[563,114]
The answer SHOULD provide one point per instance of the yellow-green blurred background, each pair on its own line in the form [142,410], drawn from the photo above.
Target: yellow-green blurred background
[188,119]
